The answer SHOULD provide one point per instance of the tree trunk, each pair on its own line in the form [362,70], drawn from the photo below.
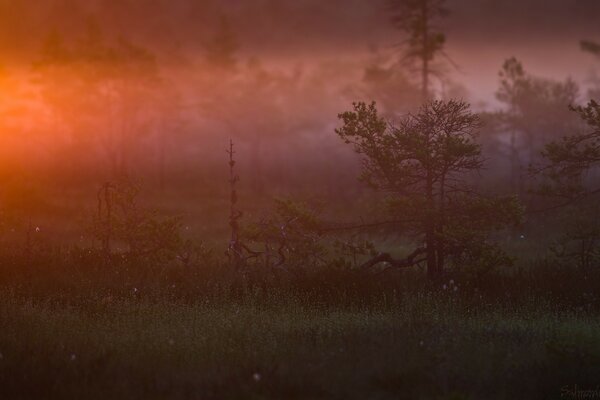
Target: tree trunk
[430,245]
[441,254]
[430,234]
[425,55]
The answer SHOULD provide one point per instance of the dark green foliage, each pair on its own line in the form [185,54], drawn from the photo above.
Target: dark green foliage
[138,232]
[469,221]
[289,239]
[569,180]
[397,158]
[422,163]
[579,242]
[567,161]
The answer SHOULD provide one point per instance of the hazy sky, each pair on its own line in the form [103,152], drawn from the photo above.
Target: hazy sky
[544,34]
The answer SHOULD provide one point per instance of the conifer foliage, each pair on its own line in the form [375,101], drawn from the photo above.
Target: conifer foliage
[422,163]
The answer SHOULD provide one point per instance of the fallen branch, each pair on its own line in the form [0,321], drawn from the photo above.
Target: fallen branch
[407,262]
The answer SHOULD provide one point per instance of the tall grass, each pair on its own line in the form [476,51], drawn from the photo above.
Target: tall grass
[427,346]
[77,326]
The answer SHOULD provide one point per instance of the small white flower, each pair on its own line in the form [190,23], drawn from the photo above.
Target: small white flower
[445,287]
[73,357]
[522,236]
[451,282]
[37,229]
[455,288]
[256,376]
[421,343]
[135,290]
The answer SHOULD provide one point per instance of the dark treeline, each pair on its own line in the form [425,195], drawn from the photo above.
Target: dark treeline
[141,102]
[280,199]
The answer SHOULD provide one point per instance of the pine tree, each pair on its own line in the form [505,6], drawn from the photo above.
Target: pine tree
[417,18]
[422,164]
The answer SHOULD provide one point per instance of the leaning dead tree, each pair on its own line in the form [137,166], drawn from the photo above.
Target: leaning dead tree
[275,235]
[235,248]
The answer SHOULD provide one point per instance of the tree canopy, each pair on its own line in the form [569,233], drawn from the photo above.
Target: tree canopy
[422,164]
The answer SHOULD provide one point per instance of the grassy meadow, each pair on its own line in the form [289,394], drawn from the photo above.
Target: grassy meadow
[335,339]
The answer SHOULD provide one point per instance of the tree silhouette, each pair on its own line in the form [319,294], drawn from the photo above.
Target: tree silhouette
[99,94]
[570,181]
[569,161]
[536,109]
[417,18]
[421,164]
[592,48]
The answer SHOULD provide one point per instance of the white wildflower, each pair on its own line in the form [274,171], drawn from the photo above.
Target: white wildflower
[256,376]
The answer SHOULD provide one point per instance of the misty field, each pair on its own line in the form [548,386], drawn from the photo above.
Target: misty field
[299,199]
[421,346]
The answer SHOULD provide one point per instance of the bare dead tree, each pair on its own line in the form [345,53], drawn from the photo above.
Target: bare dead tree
[235,248]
